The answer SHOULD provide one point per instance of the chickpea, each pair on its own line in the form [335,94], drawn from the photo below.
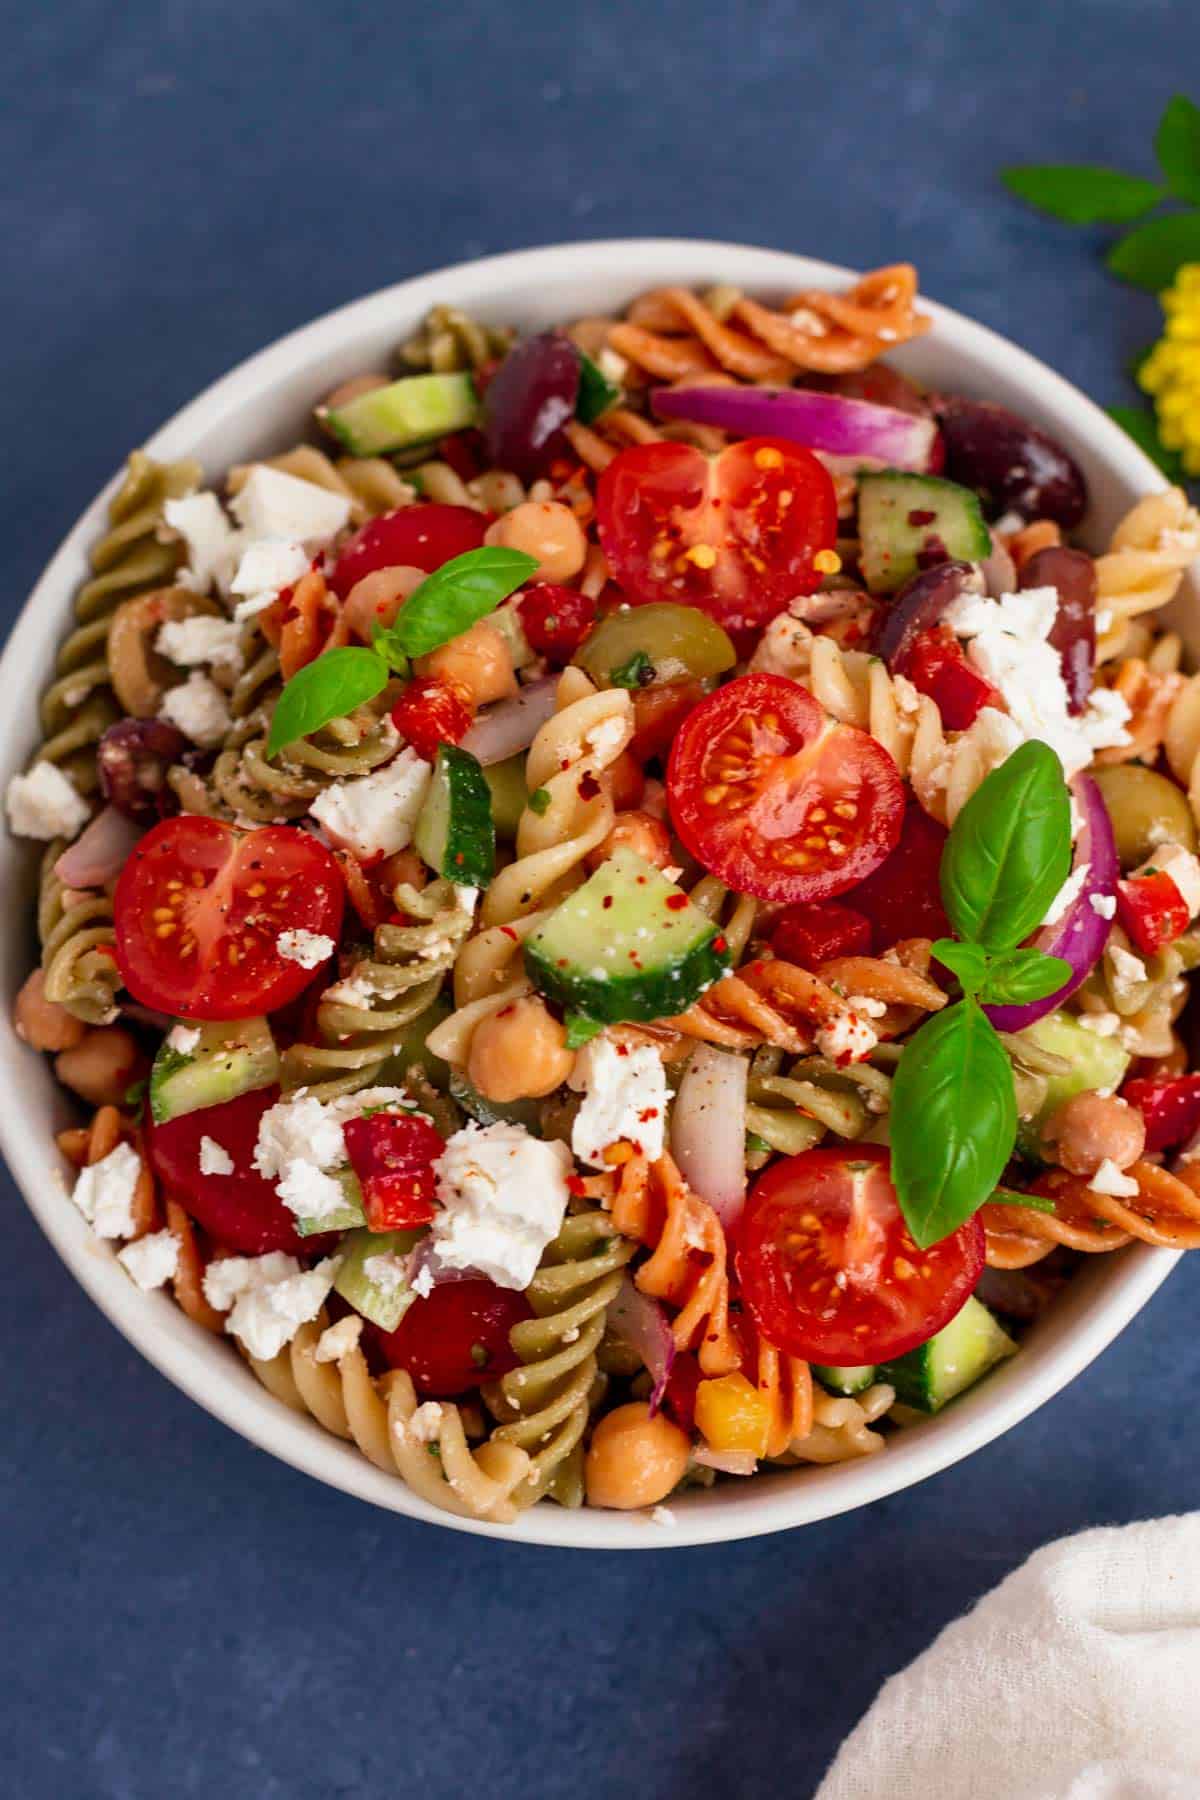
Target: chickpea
[1088,1128]
[102,1066]
[548,530]
[634,1460]
[378,597]
[477,662]
[628,781]
[353,390]
[637,831]
[519,1053]
[42,1023]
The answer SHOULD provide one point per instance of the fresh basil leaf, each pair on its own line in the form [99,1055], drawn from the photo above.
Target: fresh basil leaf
[1082,194]
[1035,1202]
[967,961]
[953,1121]
[581,1030]
[455,597]
[1023,975]
[1177,147]
[596,392]
[637,672]
[1152,255]
[395,659]
[1142,427]
[1009,851]
[329,688]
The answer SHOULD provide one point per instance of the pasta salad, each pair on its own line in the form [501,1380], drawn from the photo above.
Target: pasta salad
[622,912]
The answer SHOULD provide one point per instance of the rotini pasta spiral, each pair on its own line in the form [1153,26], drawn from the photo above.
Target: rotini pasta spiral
[1141,1007]
[1144,564]
[687,1265]
[75,929]
[450,339]
[1164,1211]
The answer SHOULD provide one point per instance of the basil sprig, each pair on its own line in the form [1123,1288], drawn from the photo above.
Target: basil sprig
[448,602]
[954,1110]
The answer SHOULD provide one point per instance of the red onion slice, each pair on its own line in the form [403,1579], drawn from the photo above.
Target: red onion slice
[708,1130]
[641,1323]
[727,1462]
[98,856]
[831,422]
[511,725]
[1080,935]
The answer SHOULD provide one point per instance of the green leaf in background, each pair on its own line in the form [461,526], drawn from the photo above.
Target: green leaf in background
[1177,147]
[1143,429]
[455,597]
[596,392]
[1082,194]
[967,961]
[581,1030]
[1152,255]
[329,688]
[1009,851]
[953,1121]
[1024,975]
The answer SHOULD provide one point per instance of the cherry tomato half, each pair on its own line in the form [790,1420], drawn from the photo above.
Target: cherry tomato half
[241,1211]
[810,935]
[393,1156]
[733,534]
[829,1270]
[456,1338]
[414,537]
[902,897]
[430,712]
[555,619]
[777,800]
[199,906]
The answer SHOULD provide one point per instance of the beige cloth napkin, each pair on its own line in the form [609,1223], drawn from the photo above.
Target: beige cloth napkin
[1078,1678]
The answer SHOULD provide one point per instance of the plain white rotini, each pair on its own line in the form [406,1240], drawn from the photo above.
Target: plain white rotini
[1144,564]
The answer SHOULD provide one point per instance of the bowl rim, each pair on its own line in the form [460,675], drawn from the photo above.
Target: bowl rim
[152,1322]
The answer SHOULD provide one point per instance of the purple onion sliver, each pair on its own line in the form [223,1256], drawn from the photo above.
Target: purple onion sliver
[641,1323]
[830,422]
[511,725]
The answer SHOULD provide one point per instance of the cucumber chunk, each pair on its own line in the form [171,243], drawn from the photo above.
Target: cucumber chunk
[596,392]
[628,944]
[230,1059]
[1096,1062]
[410,411]
[909,522]
[952,1361]
[350,1215]
[455,833]
[510,796]
[383,1301]
[853,1379]
[494,1112]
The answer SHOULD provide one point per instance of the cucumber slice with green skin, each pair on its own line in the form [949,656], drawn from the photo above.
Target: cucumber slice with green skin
[910,522]
[230,1059]
[1096,1062]
[952,1361]
[383,1302]
[855,1379]
[510,796]
[494,1112]
[350,1215]
[628,944]
[596,392]
[410,411]
[455,833]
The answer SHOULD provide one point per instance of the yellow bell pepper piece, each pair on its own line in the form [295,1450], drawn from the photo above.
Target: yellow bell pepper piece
[731,1414]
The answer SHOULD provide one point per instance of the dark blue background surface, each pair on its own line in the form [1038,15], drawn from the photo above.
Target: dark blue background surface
[183,183]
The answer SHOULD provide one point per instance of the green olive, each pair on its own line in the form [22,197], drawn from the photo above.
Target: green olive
[659,642]
[506,781]
[1146,811]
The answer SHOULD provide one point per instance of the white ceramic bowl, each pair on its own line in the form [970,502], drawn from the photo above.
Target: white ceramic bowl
[258,409]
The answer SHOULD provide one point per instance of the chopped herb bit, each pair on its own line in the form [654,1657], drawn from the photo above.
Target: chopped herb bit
[539,800]
[637,672]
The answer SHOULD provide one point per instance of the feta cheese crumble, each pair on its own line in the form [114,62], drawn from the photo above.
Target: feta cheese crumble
[846,1037]
[152,1260]
[301,1141]
[386,1271]
[272,504]
[426,1422]
[209,539]
[625,1100]
[192,642]
[662,1515]
[105,1190]
[183,1039]
[308,948]
[1067,894]
[376,814]
[1128,971]
[198,708]
[1108,1179]
[338,1340]
[265,568]
[1104,904]
[267,1298]
[214,1158]
[44,804]
[503,1195]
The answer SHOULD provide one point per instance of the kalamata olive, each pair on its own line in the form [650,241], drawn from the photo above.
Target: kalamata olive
[1012,465]
[920,605]
[528,401]
[1072,574]
[133,757]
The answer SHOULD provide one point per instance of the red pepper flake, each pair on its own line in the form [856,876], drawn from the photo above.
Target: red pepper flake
[589,787]
[622,1049]
[510,933]
[576,1187]
[676,902]
[920,517]
[647,1113]
[720,943]
[606,902]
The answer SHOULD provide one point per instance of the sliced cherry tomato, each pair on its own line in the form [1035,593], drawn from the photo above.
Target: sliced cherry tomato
[556,619]
[812,934]
[241,1211]
[829,1270]
[658,712]
[457,1337]
[1170,1108]
[902,897]
[1152,910]
[430,712]
[199,906]
[936,665]
[393,1156]
[414,537]
[777,800]
[733,534]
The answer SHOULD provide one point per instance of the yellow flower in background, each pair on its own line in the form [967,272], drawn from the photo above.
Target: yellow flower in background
[1171,372]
